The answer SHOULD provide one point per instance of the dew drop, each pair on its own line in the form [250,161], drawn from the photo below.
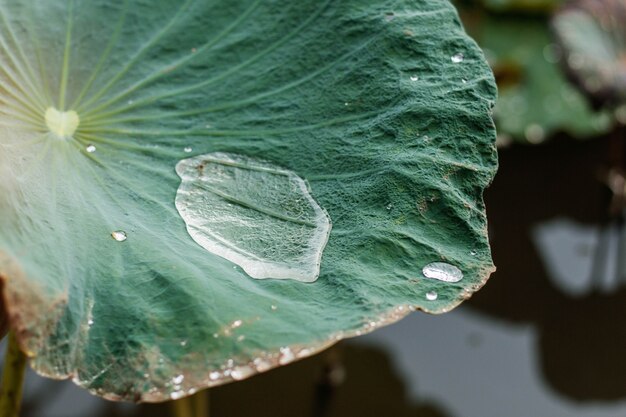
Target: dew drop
[286,355]
[236,323]
[474,253]
[443,272]
[183,343]
[214,375]
[274,307]
[456,58]
[261,365]
[119,235]
[241,338]
[389,206]
[414,78]
[177,394]
[188,149]
[90,322]
[240,372]
[178,379]
[431,295]
[90,148]
[463,80]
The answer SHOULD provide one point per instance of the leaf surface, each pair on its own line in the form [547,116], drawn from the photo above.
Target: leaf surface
[361,101]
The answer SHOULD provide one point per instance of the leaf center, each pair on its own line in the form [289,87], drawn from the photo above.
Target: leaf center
[63,124]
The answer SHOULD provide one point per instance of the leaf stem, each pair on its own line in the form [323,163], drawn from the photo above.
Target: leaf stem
[194,406]
[12,379]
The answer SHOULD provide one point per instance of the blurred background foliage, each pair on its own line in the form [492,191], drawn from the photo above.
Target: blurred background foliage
[538,95]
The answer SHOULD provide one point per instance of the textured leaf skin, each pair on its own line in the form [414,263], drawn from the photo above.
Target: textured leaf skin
[322,88]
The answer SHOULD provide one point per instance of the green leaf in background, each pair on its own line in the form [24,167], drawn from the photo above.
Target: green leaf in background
[523,6]
[139,281]
[593,36]
[535,99]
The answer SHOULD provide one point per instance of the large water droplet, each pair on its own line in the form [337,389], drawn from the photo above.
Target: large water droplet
[119,235]
[443,272]
[456,58]
[253,213]
[431,295]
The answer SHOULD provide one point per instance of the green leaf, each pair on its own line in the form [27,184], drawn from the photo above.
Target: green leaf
[593,37]
[535,98]
[118,270]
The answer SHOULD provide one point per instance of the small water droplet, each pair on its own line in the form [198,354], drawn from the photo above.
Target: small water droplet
[389,206]
[241,372]
[474,253]
[177,394]
[414,78]
[90,322]
[188,149]
[456,58]
[236,323]
[274,307]
[214,375]
[178,379]
[286,355]
[130,102]
[215,335]
[119,235]
[183,343]
[463,80]
[261,365]
[90,148]
[389,16]
[431,295]
[346,104]
[241,338]
[442,272]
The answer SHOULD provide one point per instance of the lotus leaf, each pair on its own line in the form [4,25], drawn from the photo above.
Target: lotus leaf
[153,154]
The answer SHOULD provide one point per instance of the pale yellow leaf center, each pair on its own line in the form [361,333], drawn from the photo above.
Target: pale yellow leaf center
[63,124]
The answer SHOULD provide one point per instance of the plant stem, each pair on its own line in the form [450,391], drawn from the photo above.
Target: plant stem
[12,379]
[201,403]
[183,407]
[196,405]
